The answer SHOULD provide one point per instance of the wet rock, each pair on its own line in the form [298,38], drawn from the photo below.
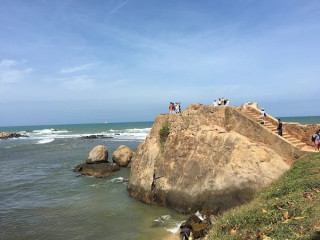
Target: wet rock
[95,136]
[122,156]
[100,170]
[5,135]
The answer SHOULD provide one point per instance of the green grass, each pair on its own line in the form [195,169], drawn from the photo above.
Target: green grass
[288,209]
[164,133]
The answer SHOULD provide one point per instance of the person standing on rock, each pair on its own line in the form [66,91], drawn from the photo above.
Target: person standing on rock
[215,104]
[178,110]
[279,128]
[171,106]
[222,101]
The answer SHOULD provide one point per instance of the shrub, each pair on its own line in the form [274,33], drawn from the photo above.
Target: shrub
[164,133]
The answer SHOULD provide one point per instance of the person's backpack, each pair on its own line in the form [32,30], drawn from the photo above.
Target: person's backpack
[313,138]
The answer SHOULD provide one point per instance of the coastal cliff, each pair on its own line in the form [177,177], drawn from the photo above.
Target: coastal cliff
[211,159]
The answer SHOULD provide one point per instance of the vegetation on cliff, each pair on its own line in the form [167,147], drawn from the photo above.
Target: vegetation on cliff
[288,209]
[164,133]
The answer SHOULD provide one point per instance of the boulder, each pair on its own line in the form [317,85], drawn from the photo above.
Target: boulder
[213,158]
[100,170]
[5,135]
[98,154]
[122,156]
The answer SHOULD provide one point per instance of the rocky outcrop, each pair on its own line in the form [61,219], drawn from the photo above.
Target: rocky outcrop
[97,163]
[211,159]
[122,156]
[5,135]
[95,136]
[98,154]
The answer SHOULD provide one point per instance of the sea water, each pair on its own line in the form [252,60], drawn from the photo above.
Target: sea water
[42,198]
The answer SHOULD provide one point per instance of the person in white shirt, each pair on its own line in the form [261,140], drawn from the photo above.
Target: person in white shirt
[262,116]
[215,104]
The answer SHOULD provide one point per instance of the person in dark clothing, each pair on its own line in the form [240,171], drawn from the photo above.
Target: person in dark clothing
[185,233]
[279,127]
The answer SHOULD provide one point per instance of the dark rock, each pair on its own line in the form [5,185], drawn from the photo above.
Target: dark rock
[100,170]
[95,136]
[200,230]
[191,220]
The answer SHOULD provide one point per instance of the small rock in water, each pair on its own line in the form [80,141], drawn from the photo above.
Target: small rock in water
[95,136]
[5,135]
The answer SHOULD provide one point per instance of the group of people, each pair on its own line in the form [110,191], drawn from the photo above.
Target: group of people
[175,107]
[316,139]
[220,102]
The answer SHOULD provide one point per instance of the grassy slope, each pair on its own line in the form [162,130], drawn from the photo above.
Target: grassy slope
[288,209]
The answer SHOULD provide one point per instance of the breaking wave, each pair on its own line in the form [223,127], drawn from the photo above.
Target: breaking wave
[47,135]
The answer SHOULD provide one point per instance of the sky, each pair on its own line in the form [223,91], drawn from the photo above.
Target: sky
[81,61]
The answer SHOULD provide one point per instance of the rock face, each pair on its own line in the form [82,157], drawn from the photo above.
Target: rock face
[98,154]
[212,158]
[122,156]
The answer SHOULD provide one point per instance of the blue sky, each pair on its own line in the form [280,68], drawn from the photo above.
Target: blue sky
[76,61]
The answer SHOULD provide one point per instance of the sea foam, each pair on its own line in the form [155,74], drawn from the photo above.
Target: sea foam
[47,140]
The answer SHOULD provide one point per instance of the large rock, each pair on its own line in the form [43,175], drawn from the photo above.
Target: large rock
[212,159]
[100,170]
[122,156]
[98,154]
[5,135]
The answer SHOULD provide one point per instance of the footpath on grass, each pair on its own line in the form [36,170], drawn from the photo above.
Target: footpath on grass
[288,209]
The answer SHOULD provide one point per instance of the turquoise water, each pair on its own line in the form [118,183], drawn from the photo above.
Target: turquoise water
[42,198]
[302,120]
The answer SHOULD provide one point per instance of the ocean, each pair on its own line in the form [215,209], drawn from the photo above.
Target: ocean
[42,198]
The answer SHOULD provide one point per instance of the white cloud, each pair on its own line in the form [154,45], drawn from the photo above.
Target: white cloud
[78,83]
[11,72]
[76,69]
[7,63]
[118,7]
